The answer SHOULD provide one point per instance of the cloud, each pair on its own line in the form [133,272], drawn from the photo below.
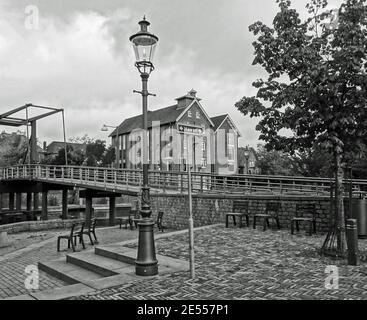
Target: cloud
[80,58]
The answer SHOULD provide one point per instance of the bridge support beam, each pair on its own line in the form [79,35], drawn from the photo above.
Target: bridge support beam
[18,201]
[64,214]
[11,201]
[29,201]
[35,201]
[112,213]
[88,209]
[44,205]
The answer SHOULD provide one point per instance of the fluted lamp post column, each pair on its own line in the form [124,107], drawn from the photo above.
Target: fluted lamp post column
[144,44]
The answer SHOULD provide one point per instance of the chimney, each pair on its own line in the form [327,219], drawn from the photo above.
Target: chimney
[184,101]
[44,145]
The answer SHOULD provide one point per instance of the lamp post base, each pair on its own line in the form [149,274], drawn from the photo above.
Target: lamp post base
[146,264]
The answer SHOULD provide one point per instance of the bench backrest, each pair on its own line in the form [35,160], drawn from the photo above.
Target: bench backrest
[123,212]
[272,207]
[305,208]
[76,228]
[240,206]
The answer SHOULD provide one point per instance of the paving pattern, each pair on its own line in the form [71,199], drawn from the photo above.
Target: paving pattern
[244,263]
[12,265]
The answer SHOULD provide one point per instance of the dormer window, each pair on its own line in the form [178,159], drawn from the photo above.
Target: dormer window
[197,115]
[189,113]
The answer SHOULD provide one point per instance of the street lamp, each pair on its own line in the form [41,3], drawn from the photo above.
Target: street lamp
[247,155]
[117,149]
[144,44]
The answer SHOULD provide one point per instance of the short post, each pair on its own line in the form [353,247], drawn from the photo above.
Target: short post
[352,241]
[3,239]
[18,201]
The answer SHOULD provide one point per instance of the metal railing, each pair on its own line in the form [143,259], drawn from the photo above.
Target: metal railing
[174,181]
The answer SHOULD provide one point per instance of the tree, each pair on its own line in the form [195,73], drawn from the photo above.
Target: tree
[273,162]
[316,87]
[14,149]
[108,156]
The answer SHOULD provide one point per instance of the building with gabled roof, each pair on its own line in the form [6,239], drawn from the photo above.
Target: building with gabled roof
[180,134]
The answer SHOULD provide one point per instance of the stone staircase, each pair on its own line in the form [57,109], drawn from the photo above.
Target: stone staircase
[105,266]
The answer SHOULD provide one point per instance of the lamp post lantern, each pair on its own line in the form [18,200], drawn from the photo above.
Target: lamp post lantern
[144,44]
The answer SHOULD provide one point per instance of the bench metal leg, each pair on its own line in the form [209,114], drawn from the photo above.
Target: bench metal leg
[226,221]
[314,226]
[297,225]
[254,225]
[264,223]
[81,237]
[292,226]
[278,223]
[247,220]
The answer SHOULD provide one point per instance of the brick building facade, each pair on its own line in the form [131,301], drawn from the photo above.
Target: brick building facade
[180,134]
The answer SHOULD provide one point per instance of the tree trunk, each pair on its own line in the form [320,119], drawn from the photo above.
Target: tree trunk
[339,207]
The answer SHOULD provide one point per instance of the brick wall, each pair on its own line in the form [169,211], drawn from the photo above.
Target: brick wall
[211,209]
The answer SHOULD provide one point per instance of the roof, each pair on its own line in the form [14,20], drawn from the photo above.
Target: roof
[164,115]
[218,120]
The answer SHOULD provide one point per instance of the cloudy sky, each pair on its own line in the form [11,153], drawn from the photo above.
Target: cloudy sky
[79,58]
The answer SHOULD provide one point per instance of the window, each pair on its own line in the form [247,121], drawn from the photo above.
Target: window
[197,115]
[123,142]
[189,114]
[203,145]
[231,167]
[252,164]
[170,153]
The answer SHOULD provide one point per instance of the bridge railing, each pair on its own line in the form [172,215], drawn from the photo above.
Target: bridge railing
[178,181]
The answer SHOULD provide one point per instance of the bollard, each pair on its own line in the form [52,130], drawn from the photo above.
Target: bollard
[352,241]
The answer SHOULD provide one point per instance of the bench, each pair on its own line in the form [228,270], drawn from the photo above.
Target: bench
[124,217]
[76,231]
[91,230]
[240,210]
[301,210]
[271,212]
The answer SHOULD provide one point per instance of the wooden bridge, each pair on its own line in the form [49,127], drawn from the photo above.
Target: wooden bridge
[97,182]
[125,180]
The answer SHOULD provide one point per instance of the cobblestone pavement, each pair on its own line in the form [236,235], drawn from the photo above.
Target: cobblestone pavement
[12,265]
[244,263]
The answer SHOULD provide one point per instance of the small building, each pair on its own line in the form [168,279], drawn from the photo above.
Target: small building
[247,159]
[177,135]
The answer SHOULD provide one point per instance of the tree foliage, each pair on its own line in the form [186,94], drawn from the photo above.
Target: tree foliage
[316,87]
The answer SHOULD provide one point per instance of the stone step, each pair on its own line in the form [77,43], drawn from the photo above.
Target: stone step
[128,255]
[70,273]
[117,252]
[104,266]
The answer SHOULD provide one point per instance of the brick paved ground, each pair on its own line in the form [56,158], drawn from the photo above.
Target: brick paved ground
[247,264]
[12,265]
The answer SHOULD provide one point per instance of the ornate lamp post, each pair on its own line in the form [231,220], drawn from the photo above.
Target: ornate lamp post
[117,146]
[247,155]
[144,44]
